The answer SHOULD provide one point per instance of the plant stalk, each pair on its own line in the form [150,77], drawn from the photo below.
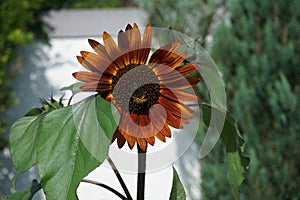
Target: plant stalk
[118,175]
[141,173]
[106,187]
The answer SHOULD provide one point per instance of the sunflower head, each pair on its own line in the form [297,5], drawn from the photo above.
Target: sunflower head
[148,91]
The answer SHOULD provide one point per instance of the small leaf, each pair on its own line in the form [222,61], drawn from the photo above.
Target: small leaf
[25,194]
[23,142]
[73,141]
[24,133]
[34,112]
[74,88]
[177,192]
[234,144]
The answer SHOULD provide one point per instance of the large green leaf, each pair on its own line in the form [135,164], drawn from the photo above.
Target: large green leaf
[234,144]
[177,192]
[73,141]
[23,142]
[25,194]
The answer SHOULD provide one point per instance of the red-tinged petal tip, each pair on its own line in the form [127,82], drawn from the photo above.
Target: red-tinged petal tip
[74,74]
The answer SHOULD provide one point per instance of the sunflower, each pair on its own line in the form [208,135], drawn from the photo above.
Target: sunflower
[148,92]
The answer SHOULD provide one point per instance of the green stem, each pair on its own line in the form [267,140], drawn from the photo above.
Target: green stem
[106,187]
[141,173]
[121,181]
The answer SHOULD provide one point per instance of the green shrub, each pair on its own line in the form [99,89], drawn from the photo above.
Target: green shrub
[258,51]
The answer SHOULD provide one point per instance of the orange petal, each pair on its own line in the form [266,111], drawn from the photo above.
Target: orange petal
[161,137]
[86,64]
[157,118]
[180,84]
[128,27]
[98,47]
[193,80]
[176,95]
[146,44]
[150,140]
[99,62]
[166,131]
[126,129]
[91,86]
[120,139]
[86,76]
[142,143]
[165,52]
[187,69]
[134,38]
[175,108]
[160,69]
[95,87]
[174,121]
[111,47]
[173,60]
[115,136]
[123,42]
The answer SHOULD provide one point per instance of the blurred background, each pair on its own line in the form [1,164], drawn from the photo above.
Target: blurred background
[256,44]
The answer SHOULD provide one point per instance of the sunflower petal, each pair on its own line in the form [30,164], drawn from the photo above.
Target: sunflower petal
[86,76]
[176,95]
[165,53]
[142,143]
[128,27]
[111,47]
[101,63]
[175,108]
[134,38]
[174,121]
[120,139]
[166,131]
[95,87]
[98,47]
[91,86]
[123,42]
[186,69]
[160,69]
[180,84]
[146,44]
[161,137]
[158,120]
[150,140]
[86,64]
[130,140]
[173,60]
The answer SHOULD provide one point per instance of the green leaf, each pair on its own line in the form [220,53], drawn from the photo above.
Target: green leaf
[234,144]
[25,194]
[34,112]
[177,192]
[74,88]
[23,142]
[73,141]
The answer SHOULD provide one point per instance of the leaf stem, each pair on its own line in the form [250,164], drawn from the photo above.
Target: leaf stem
[141,173]
[121,181]
[106,187]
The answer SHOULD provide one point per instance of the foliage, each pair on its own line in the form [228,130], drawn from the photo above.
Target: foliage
[237,162]
[26,194]
[20,24]
[177,192]
[258,50]
[192,17]
[79,136]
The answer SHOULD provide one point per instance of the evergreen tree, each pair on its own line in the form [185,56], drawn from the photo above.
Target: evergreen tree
[258,50]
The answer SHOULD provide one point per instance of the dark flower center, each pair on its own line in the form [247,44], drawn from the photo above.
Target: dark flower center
[135,89]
